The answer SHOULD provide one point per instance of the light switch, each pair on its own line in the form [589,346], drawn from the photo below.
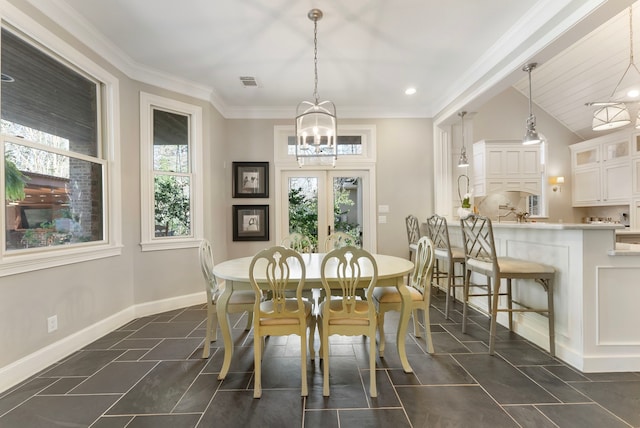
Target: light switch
[382,219]
[383,208]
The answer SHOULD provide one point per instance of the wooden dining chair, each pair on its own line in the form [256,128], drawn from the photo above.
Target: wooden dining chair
[348,269]
[240,301]
[389,298]
[338,240]
[482,258]
[280,316]
[299,242]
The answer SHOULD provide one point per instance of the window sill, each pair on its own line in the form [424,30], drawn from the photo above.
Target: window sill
[21,263]
[169,244]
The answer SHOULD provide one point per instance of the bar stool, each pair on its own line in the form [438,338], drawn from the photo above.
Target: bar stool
[413,233]
[481,257]
[446,255]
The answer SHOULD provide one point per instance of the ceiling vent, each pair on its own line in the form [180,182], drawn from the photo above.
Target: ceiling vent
[249,81]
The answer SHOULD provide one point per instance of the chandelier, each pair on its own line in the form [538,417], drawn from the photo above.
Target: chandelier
[316,123]
[614,113]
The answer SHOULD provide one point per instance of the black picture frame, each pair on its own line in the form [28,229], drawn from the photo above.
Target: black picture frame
[250,179]
[250,222]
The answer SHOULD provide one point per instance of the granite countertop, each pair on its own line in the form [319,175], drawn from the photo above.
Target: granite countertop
[556,226]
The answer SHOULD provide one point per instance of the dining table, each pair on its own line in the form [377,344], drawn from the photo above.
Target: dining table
[235,272]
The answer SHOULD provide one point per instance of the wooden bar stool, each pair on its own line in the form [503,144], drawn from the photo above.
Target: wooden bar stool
[446,258]
[481,257]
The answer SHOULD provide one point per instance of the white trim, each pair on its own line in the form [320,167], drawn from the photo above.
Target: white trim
[10,263]
[148,241]
[27,366]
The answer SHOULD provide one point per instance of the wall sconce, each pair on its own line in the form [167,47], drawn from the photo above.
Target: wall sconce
[556,183]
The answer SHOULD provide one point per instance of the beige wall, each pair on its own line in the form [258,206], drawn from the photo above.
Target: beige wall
[404,174]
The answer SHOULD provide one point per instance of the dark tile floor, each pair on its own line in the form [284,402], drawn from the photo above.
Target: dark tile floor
[149,374]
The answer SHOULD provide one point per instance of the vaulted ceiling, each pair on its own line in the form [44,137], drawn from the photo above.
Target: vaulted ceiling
[456,53]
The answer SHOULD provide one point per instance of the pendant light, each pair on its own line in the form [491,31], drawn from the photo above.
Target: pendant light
[316,122]
[614,114]
[531,136]
[463,161]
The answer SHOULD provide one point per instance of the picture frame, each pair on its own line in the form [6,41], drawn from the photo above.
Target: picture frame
[250,179]
[250,222]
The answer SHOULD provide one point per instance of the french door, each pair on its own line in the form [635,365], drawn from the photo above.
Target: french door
[317,203]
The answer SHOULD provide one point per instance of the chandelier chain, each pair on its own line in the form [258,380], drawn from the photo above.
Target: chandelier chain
[315,60]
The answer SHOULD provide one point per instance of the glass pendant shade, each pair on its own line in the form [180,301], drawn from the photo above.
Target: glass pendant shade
[531,135]
[463,161]
[316,129]
[611,117]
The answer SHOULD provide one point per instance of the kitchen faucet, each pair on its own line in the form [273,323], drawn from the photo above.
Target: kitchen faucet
[521,217]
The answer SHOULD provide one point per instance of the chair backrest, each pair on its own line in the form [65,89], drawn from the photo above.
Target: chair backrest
[350,268]
[271,269]
[438,232]
[413,229]
[297,241]
[206,263]
[339,240]
[422,274]
[478,242]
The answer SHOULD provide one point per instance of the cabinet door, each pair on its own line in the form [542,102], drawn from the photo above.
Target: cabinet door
[585,157]
[586,187]
[635,144]
[635,215]
[617,184]
[615,151]
[635,173]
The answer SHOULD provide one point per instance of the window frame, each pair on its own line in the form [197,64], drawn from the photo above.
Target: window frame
[13,262]
[148,240]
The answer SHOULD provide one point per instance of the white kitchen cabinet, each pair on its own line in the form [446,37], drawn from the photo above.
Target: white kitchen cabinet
[635,172]
[601,171]
[506,165]
[635,215]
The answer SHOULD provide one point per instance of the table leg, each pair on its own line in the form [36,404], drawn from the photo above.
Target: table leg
[405,313]
[223,322]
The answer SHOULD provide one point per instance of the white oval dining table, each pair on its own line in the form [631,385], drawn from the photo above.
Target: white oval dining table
[235,272]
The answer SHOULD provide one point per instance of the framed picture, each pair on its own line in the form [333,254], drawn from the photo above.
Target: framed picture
[251,222]
[250,179]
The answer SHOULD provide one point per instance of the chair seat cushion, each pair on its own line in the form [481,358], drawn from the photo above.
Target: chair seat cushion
[511,266]
[392,295]
[290,305]
[457,254]
[242,297]
[362,306]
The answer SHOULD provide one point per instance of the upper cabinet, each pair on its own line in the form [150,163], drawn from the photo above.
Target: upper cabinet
[601,170]
[506,165]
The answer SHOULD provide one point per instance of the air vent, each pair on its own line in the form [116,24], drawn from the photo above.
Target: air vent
[249,81]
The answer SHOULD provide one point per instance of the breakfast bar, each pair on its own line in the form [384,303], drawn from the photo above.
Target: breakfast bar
[596,291]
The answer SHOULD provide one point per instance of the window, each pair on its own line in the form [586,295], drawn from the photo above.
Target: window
[171,147]
[58,147]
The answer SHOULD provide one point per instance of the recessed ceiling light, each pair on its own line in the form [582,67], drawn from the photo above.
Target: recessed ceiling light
[633,93]
[410,91]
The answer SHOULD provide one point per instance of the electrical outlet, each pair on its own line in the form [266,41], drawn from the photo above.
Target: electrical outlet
[52,323]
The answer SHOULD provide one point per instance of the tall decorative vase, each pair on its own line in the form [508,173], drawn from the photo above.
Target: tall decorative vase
[463,212]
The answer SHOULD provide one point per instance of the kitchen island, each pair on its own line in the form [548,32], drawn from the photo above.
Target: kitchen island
[596,291]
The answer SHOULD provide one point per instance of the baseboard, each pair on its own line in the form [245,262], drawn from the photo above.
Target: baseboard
[23,368]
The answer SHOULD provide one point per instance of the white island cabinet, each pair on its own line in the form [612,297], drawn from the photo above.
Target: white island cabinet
[596,292]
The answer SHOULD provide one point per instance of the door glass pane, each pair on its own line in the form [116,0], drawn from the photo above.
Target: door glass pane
[303,207]
[347,206]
